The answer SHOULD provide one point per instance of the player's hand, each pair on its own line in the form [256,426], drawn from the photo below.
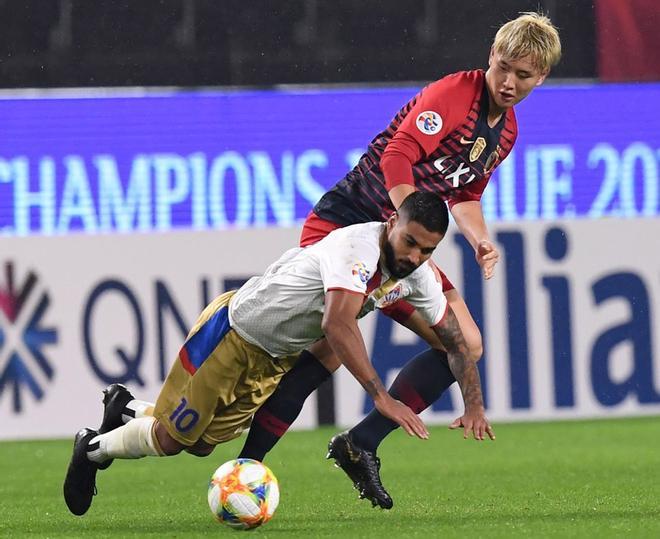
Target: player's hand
[475,422]
[487,256]
[401,414]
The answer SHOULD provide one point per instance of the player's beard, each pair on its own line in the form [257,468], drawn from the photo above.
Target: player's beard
[397,268]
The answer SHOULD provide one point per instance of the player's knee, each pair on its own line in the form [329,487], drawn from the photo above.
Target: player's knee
[324,354]
[475,348]
[168,445]
[473,341]
[475,353]
[200,449]
[331,363]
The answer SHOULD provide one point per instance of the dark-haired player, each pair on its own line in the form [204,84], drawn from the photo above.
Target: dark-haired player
[245,341]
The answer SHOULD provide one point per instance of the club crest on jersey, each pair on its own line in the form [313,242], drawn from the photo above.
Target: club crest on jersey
[361,272]
[477,148]
[429,122]
[392,296]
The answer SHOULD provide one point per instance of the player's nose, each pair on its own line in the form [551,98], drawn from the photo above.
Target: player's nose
[415,257]
[509,81]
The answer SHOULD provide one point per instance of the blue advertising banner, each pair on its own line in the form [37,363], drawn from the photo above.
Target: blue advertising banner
[218,160]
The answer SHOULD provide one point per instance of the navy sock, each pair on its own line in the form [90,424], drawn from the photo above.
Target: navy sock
[419,384]
[281,409]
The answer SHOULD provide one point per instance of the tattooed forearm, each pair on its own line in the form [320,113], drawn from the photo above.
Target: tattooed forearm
[464,369]
[451,335]
[373,386]
[471,387]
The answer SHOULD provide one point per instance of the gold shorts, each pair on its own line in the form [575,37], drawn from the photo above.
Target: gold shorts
[217,382]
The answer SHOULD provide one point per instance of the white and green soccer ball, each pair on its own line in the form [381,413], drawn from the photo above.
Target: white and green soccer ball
[243,493]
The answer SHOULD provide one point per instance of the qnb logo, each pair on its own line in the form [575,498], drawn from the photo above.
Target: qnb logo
[23,337]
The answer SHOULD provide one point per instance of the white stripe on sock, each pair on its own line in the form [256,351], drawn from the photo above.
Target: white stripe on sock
[131,441]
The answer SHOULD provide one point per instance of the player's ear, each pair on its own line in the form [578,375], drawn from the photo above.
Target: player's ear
[491,54]
[392,220]
[544,74]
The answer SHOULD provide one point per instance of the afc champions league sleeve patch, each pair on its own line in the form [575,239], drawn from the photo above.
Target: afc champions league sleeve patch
[429,122]
[360,273]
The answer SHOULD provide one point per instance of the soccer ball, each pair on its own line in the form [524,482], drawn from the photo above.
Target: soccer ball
[243,493]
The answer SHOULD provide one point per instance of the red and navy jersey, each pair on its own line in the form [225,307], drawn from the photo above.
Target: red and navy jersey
[448,119]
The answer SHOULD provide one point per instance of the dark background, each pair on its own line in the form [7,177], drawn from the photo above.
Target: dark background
[78,43]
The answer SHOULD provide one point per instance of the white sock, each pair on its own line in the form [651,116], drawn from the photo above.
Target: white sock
[136,409]
[134,440]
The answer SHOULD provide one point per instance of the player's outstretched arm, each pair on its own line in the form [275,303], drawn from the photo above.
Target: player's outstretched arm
[465,370]
[470,220]
[343,334]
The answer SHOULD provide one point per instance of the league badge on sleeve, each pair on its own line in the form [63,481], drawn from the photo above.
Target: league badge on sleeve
[360,273]
[429,122]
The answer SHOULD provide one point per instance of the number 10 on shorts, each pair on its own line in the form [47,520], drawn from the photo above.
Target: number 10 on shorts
[184,418]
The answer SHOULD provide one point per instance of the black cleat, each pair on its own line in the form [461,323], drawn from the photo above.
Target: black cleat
[80,480]
[115,399]
[362,467]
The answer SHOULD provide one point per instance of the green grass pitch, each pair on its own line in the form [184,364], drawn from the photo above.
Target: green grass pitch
[567,479]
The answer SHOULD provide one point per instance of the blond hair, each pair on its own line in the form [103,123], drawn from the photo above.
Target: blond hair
[530,34]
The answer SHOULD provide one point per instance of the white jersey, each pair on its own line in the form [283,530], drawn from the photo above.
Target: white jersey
[281,311]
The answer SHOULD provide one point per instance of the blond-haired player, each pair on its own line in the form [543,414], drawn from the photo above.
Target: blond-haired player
[447,140]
